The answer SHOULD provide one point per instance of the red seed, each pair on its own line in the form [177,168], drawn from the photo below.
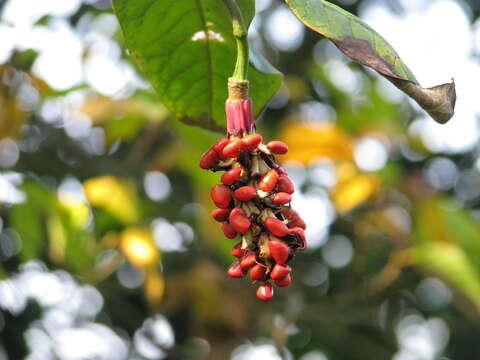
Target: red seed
[284,281]
[221,196]
[239,220]
[285,184]
[268,181]
[275,226]
[294,220]
[279,251]
[298,223]
[220,215]
[280,271]
[231,176]
[237,250]
[209,159]
[277,147]
[257,272]
[251,142]
[298,231]
[290,214]
[248,260]
[245,193]
[232,150]
[219,145]
[235,271]
[281,171]
[228,230]
[281,198]
[265,292]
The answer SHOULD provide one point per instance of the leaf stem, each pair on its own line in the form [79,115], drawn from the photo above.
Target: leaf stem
[240,33]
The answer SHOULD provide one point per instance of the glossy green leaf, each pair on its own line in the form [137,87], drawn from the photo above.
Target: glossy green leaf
[361,43]
[187,50]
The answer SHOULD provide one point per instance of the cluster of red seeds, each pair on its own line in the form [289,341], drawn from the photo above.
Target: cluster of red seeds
[253,201]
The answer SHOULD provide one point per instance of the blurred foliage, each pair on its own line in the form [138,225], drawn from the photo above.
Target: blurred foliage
[104,191]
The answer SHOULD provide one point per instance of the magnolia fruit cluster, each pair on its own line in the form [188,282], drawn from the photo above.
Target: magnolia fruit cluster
[253,202]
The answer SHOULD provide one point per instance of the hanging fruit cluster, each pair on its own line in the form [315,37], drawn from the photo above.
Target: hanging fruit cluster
[253,199]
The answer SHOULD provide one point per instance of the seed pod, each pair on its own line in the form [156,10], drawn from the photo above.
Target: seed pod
[257,272]
[294,220]
[281,198]
[297,223]
[271,232]
[228,230]
[281,171]
[209,159]
[265,292]
[231,176]
[298,232]
[280,271]
[251,142]
[268,181]
[219,145]
[235,271]
[263,250]
[248,260]
[232,150]
[279,251]
[301,235]
[245,193]
[221,215]
[239,220]
[221,196]
[277,147]
[290,214]
[276,227]
[285,184]
[284,281]
[237,250]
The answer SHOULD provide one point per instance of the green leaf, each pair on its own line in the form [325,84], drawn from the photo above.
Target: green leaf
[28,219]
[362,44]
[187,50]
[48,226]
[451,263]
[447,244]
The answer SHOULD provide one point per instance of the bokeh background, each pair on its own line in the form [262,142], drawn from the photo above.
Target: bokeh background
[107,251]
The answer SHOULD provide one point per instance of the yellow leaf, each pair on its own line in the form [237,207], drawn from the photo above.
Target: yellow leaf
[116,196]
[77,210]
[11,116]
[137,245]
[57,238]
[351,192]
[309,141]
[154,286]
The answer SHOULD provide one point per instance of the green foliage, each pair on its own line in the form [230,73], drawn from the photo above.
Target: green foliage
[187,50]
[447,244]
